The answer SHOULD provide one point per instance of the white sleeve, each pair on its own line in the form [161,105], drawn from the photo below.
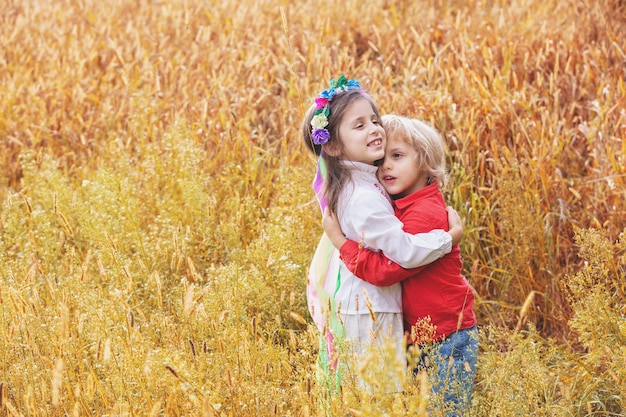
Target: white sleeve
[369,220]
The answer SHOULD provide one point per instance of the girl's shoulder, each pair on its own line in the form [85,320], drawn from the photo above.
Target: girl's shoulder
[367,209]
[368,197]
[367,191]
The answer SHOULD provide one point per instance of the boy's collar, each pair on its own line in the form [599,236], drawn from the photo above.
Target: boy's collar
[404,202]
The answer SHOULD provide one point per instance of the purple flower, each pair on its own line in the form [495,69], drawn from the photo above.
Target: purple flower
[320,136]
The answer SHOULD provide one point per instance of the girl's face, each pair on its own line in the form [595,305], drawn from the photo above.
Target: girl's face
[399,172]
[361,133]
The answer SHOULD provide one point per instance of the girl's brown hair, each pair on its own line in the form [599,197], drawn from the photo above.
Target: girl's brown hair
[337,173]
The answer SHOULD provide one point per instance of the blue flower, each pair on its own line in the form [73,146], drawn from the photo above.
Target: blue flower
[328,94]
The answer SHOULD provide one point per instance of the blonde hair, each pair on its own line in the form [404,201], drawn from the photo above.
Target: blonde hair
[429,145]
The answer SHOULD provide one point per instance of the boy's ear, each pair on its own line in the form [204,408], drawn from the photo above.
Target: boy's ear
[331,148]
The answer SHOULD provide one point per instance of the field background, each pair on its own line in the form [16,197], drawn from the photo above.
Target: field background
[157,221]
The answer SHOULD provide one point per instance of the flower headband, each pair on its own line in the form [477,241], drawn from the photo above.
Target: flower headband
[319,122]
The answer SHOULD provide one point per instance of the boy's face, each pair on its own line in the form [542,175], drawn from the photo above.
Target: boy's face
[399,173]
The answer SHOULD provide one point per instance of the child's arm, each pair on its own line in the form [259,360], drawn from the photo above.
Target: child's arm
[455,227]
[334,233]
[372,222]
[333,229]
[373,266]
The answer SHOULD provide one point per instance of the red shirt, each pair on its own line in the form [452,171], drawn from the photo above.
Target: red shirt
[437,291]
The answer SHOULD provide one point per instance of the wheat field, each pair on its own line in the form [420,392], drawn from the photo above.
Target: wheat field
[157,219]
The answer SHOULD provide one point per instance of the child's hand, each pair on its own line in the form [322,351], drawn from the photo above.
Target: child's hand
[455,227]
[333,229]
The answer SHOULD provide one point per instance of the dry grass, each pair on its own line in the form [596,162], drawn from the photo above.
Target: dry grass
[157,219]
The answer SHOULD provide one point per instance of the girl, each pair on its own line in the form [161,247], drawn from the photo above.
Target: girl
[437,300]
[344,129]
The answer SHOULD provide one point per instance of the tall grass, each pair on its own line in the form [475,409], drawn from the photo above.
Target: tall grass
[157,221]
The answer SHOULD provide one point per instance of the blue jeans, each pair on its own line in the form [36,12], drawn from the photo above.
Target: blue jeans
[451,368]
